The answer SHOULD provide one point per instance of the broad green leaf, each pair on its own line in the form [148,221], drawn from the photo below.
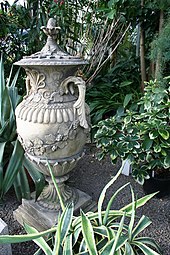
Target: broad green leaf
[127,99]
[2,84]
[37,177]
[167,161]
[164,133]
[6,106]
[14,166]
[103,193]
[39,241]
[143,223]
[2,148]
[147,143]
[21,185]
[88,234]
[153,134]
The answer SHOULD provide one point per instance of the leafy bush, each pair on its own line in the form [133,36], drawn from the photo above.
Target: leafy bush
[142,136]
[112,88]
[103,232]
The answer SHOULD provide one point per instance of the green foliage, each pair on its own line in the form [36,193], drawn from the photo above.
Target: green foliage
[113,87]
[142,136]
[104,232]
[12,170]
[160,46]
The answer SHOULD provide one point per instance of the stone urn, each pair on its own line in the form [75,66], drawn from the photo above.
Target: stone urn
[53,119]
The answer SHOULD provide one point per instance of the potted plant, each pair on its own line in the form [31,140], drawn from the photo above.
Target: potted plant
[141,135]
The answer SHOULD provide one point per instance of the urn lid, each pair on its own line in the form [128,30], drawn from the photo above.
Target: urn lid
[51,53]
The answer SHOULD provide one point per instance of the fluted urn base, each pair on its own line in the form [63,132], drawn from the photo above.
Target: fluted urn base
[49,198]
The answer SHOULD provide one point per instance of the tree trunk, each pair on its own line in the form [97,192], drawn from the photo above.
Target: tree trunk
[142,53]
[158,60]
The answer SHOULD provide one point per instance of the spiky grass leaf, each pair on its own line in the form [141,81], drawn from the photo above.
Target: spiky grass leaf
[68,246]
[143,223]
[64,227]
[117,242]
[111,202]
[132,219]
[103,193]
[139,202]
[88,234]
[5,239]
[150,241]
[145,249]
[56,187]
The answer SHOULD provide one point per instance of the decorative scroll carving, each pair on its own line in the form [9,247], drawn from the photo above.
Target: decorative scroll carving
[79,105]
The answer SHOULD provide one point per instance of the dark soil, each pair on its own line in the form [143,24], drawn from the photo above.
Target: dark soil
[91,176]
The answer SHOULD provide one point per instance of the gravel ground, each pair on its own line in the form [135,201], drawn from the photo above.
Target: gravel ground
[91,176]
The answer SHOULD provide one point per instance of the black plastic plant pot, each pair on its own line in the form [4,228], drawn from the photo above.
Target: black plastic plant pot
[157,184]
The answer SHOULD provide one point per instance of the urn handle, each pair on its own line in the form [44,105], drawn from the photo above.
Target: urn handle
[79,105]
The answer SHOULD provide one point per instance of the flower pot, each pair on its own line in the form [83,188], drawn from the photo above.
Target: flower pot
[158,183]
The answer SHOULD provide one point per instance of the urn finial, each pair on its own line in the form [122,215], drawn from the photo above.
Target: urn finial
[51,30]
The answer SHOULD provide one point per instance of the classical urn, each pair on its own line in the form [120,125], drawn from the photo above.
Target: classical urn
[53,119]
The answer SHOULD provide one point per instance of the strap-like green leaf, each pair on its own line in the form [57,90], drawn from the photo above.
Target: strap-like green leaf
[68,249]
[2,148]
[5,239]
[37,177]
[150,241]
[143,223]
[110,203]
[103,193]
[88,234]
[140,202]
[56,187]
[145,249]
[117,242]
[21,185]
[64,224]
[128,249]
[14,166]
[132,219]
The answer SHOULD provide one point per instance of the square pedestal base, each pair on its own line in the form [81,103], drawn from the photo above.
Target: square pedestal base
[36,216]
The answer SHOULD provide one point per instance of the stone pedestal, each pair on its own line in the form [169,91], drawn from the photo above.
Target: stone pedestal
[36,216]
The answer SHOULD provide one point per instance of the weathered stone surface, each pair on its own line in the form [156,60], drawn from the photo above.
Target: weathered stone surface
[34,215]
[5,249]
